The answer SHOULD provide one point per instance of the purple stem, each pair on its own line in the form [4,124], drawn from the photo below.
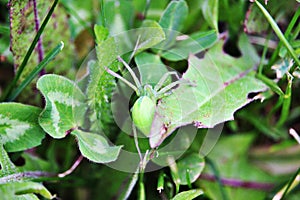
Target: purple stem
[239,183]
[39,44]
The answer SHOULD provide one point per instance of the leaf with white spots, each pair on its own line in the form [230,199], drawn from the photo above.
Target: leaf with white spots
[65,105]
[95,147]
[19,128]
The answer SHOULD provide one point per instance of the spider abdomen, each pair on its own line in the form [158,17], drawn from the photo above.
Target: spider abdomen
[143,112]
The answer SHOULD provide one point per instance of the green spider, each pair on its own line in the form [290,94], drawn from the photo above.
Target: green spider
[143,110]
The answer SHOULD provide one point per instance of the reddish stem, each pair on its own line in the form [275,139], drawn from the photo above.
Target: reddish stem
[239,183]
[37,26]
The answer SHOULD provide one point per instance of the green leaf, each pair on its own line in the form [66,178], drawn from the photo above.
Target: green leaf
[194,44]
[65,105]
[117,16]
[190,194]
[148,63]
[23,190]
[173,19]
[101,34]
[210,9]
[217,88]
[150,33]
[190,167]
[95,147]
[19,128]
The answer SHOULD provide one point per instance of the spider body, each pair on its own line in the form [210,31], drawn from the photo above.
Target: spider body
[143,110]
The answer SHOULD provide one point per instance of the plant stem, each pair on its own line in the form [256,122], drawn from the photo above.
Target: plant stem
[24,175]
[239,183]
[74,166]
[37,26]
[287,98]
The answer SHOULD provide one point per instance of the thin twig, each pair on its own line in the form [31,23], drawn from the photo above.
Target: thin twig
[74,166]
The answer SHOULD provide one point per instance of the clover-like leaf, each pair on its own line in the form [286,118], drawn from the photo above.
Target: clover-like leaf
[214,90]
[65,105]
[19,128]
[95,147]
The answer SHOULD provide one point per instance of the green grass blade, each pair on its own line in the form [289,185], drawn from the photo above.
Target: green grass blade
[218,178]
[270,83]
[286,34]
[29,52]
[279,33]
[36,71]
[293,182]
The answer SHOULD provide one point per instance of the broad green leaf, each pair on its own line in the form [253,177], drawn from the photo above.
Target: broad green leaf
[193,44]
[173,19]
[65,105]
[234,149]
[95,147]
[218,86]
[190,194]
[23,190]
[190,167]
[117,16]
[149,34]
[147,64]
[19,128]
[210,9]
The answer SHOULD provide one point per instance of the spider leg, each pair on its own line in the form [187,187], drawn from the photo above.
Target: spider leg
[121,78]
[135,47]
[136,80]
[164,79]
[162,91]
